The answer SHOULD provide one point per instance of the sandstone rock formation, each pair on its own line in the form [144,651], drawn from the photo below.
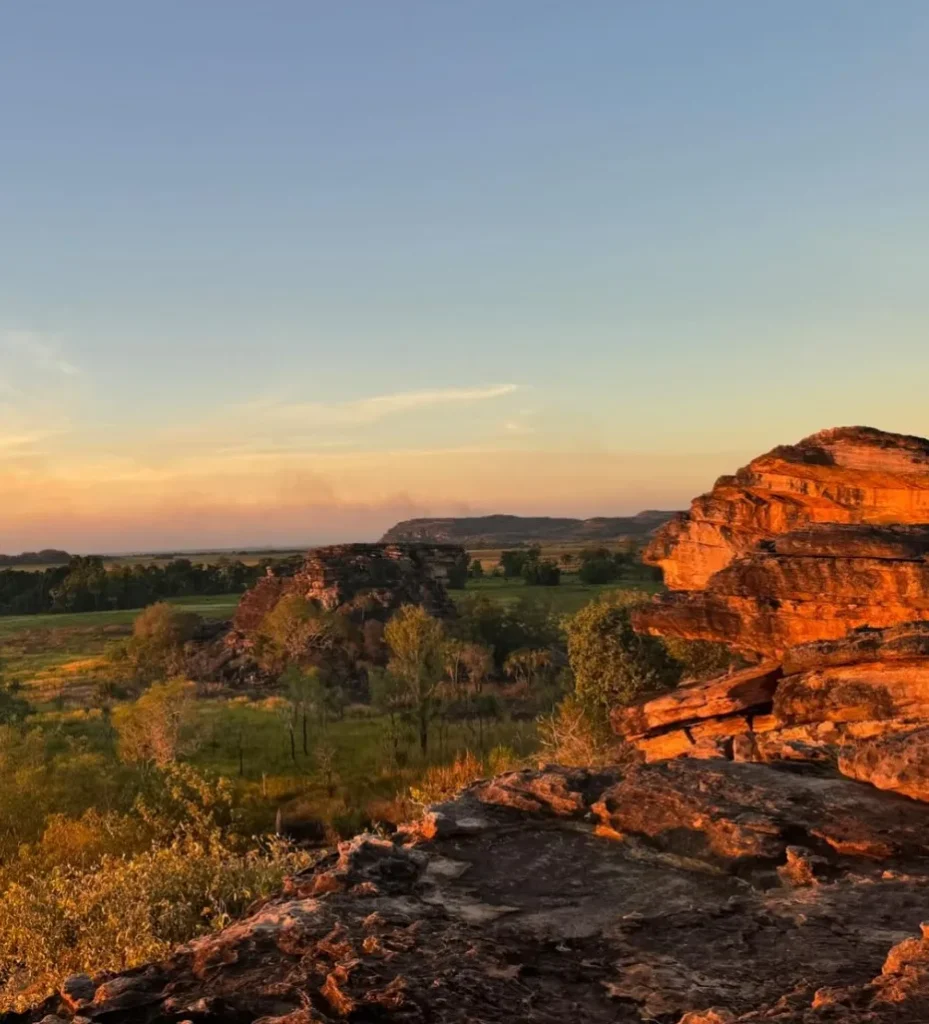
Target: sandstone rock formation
[838,610]
[361,581]
[847,475]
[372,580]
[681,892]
[804,543]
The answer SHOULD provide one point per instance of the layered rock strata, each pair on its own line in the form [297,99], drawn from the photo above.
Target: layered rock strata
[825,701]
[849,475]
[838,613]
[680,893]
[802,587]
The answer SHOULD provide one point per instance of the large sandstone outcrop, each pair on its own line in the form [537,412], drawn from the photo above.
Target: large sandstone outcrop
[366,580]
[360,581]
[800,587]
[805,543]
[851,475]
[680,893]
[839,611]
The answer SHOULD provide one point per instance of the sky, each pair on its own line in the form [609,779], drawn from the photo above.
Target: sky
[282,273]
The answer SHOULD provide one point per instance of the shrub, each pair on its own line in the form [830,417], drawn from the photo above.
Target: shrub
[612,664]
[541,572]
[700,659]
[123,911]
[574,735]
[111,891]
[159,633]
[158,727]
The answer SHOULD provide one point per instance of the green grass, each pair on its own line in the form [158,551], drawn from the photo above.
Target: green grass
[59,654]
[569,596]
[362,769]
[210,606]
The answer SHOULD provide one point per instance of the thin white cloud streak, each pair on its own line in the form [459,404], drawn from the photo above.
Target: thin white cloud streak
[365,411]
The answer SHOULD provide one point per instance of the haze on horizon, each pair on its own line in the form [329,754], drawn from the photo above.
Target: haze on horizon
[285,273]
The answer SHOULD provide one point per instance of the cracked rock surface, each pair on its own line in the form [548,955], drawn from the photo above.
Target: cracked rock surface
[691,892]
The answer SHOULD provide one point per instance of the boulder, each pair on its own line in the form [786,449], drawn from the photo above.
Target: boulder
[898,762]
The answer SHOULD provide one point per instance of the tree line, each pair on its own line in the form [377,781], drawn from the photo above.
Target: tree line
[86,584]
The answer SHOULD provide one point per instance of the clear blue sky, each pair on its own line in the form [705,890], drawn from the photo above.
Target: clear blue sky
[284,271]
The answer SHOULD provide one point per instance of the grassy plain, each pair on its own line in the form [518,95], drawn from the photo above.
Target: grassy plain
[347,772]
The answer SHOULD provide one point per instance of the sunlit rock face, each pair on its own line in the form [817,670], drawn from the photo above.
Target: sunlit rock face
[803,544]
[824,583]
[850,475]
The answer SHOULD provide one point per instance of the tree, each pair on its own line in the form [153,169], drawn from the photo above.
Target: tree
[156,650]
[417,646]
[541,572]
[512,562]
[611,663]
[476,570]
[597,570]
[157,728]
[458,572]
[527,666]
[297,630]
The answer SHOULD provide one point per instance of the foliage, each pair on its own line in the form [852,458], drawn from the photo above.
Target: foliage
[158,727]
[527,666]
[13,707]
[86,584]
[298,631]
[416,641]
[700,659]
[113,908]
[541,572]
[476,569]
[611,663]
[512,562]
[573,735]
[156,650]
[458,573]
[504,628]
[444,781]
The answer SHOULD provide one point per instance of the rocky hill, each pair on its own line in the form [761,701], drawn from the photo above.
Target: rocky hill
[759,854]
[503,531]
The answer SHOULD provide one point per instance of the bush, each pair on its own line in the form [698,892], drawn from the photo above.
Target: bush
[110,891]
[156,650]
[612,664]
[598,570]
[158,727]
[541,572]
[576,736]
[123,911]
[700,659]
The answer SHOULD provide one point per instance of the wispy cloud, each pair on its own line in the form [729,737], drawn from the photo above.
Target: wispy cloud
[363,411]
[43,353]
